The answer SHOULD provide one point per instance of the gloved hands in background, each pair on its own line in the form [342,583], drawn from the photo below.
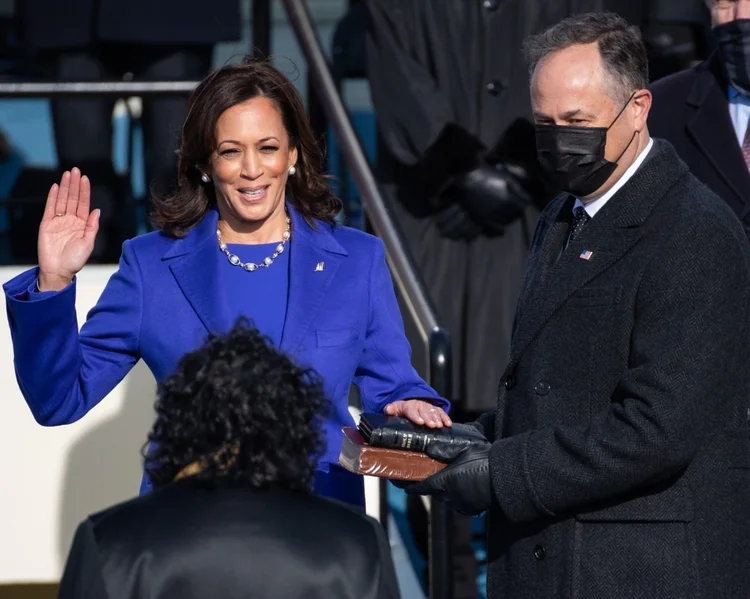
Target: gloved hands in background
[485,200]
[454,222]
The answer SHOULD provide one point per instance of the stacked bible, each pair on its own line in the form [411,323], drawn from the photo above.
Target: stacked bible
[394,448]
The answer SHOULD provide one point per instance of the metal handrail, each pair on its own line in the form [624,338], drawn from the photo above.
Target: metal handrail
[95,88]
[357,161]
[403,270]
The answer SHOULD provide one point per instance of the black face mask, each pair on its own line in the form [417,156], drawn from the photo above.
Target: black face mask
[573,157]
[734,46]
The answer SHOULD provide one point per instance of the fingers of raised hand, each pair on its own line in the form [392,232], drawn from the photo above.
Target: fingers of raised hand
[84,198]
[92,226]
[61,202]
[72,196]
[74,192]
[49,207]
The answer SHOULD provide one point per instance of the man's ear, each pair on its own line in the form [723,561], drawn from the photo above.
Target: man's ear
[641,106]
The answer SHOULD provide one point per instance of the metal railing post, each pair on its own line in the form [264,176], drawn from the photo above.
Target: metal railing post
[440,539]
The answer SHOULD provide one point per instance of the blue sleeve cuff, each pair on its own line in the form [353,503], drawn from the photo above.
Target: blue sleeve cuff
[23,287]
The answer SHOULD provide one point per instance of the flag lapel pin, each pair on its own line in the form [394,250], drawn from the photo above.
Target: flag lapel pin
[586,255]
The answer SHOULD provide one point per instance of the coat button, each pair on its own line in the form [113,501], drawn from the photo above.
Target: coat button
[539,552]
[494,87]
[541,388]
[510,382]
[491,4]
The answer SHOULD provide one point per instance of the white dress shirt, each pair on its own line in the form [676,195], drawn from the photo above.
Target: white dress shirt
[739,112]
[593,206]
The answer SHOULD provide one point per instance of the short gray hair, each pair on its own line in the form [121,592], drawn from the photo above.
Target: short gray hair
[620,45]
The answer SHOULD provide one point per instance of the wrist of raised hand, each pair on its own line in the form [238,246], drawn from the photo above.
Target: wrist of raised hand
[52,282]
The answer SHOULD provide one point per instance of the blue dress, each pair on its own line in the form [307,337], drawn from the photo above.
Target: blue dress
[261,296]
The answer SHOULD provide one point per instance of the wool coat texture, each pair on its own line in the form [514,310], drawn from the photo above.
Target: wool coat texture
[621,456]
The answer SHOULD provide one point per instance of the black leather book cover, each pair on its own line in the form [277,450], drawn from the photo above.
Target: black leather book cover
[379,430]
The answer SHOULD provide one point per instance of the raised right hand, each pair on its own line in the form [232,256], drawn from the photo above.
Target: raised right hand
[67,231]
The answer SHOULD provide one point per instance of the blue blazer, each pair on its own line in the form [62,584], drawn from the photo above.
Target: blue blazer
[165,298]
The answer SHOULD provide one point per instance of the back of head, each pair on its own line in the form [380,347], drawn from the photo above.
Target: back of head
[238,410]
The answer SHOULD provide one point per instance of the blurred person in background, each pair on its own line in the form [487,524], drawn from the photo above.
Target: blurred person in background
[676,33]
[92,40]
[251,232]
[457,164]
[11,164]
[705,111]
[232,514]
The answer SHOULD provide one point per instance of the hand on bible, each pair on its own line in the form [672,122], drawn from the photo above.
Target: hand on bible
[419,412]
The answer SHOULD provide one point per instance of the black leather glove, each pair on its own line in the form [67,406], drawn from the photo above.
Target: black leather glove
[464,485]
[494,196]
[454,222]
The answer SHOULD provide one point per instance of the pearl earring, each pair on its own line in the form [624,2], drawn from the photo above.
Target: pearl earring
[205,178]
[292,170]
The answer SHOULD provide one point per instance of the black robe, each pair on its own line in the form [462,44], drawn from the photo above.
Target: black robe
[451,89]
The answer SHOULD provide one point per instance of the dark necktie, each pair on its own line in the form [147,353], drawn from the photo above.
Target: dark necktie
[746,147]
[580,218]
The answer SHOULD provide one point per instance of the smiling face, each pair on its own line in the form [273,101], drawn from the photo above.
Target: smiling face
[250,165]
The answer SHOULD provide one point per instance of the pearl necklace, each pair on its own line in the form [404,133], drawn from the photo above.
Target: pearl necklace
[234,259]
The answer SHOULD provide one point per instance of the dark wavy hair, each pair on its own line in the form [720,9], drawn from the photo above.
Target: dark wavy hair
[236,409]
[307,190]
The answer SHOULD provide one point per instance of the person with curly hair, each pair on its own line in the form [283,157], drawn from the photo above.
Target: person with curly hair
[250,231]
[232,514]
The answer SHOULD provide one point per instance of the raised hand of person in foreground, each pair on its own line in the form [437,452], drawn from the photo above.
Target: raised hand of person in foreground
[67,231]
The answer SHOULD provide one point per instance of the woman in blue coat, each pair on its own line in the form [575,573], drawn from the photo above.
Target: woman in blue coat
[249,232]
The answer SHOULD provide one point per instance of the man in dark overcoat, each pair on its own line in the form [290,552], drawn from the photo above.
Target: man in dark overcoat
[704,111]
[620,457]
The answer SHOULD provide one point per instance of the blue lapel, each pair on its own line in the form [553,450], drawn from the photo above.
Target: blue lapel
[196,263]
[195,266]
[308,286]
